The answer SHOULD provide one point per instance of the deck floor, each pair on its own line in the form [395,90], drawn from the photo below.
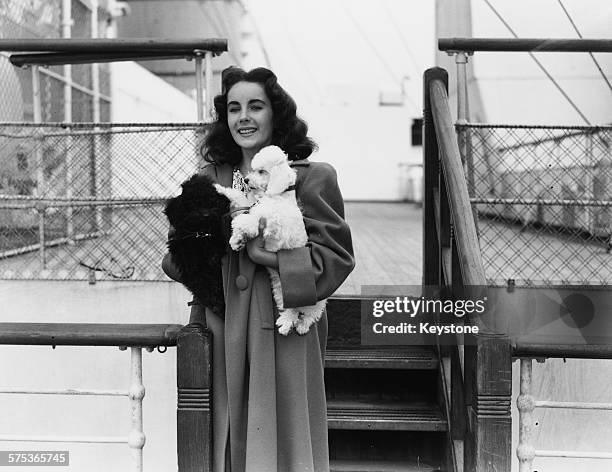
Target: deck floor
[387,240]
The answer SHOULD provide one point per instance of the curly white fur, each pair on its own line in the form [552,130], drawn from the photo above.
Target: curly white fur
[277,212]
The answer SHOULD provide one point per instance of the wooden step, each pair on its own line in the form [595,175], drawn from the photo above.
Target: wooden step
[354,414]
[414,357]
[379,466]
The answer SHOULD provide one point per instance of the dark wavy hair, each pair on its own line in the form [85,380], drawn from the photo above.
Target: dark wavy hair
[289,131]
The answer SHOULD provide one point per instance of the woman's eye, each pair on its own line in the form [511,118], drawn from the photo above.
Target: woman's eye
[233,110]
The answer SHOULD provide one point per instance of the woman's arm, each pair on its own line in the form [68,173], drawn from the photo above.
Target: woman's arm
[315,272]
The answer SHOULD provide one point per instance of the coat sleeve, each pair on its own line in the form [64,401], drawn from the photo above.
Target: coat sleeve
[315,272]
[168,266]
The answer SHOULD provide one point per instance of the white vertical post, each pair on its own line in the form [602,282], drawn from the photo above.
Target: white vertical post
[67,33]
[525,404]
[136,438]
[40,176]
[95,86]
[461,59]
[199,85]
[209,78]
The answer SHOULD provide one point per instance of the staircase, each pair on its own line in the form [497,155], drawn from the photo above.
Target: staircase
[384,403]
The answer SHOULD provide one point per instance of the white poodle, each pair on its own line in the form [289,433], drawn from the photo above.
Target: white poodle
[276,210]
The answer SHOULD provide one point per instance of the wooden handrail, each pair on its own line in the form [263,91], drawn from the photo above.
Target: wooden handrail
[466,238]
[89,334]
[524,45]
[481,372]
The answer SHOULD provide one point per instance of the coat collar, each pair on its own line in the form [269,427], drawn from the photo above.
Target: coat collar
[300,163]
[224,172]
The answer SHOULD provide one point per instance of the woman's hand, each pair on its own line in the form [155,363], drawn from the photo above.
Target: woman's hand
[260,255]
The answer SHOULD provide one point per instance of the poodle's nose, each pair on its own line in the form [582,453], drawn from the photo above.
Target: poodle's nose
[246,180]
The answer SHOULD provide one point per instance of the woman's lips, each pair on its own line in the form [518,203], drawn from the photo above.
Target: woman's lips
[246,131]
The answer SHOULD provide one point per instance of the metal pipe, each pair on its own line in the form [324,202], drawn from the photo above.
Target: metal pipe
[542,201]
[104,46]
[573,405]
[136,438]
[574,454]
[95,85]
[199,85]
[209,76]
[70,391]
[37,108]
[525,404]
[71,439]
[524,44]
[58,58]
[67,33]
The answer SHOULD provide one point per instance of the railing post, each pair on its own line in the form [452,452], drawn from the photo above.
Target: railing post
[525,404]
[39,159]
[194,388]
[488,446]
[136,439]
[431,170]
[199,85]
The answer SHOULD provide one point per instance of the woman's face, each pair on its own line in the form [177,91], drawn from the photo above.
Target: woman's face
[249,116]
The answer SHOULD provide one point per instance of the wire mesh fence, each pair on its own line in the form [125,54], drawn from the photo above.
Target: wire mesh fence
[79,201]
[543,196]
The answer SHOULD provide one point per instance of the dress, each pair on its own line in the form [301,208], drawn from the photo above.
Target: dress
[269,409]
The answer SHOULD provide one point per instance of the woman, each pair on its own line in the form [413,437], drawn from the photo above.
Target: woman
[269,410]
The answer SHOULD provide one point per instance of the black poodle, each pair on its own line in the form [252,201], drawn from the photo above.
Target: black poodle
[199,216]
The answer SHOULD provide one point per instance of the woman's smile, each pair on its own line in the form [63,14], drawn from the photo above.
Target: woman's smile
[249,116]
[248,131]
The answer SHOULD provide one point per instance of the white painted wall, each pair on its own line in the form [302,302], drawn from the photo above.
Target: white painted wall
[371,165]
[141,97]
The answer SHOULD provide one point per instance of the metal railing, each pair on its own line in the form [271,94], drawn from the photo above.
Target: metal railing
[478,410]
[557,222]
[84,201]
[526,404]
[543,198]
[193,381]
[542,195]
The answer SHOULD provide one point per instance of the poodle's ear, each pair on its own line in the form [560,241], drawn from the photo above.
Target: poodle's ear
[281,177]
[173,209]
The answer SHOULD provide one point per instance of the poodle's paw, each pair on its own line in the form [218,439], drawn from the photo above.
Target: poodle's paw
[272,232]
[303,324]
[284,325]
[246,224]
[238,241]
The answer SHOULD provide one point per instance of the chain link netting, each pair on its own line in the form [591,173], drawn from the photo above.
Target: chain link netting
[543,196]
[80,201]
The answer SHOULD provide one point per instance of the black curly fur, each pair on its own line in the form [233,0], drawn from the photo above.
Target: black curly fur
[200,210]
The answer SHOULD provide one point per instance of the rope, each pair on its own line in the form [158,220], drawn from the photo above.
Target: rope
[590,53]
[571,102]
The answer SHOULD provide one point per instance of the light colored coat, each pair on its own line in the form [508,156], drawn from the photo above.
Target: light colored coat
[269,408]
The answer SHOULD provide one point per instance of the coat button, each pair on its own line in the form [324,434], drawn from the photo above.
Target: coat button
[242,282]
